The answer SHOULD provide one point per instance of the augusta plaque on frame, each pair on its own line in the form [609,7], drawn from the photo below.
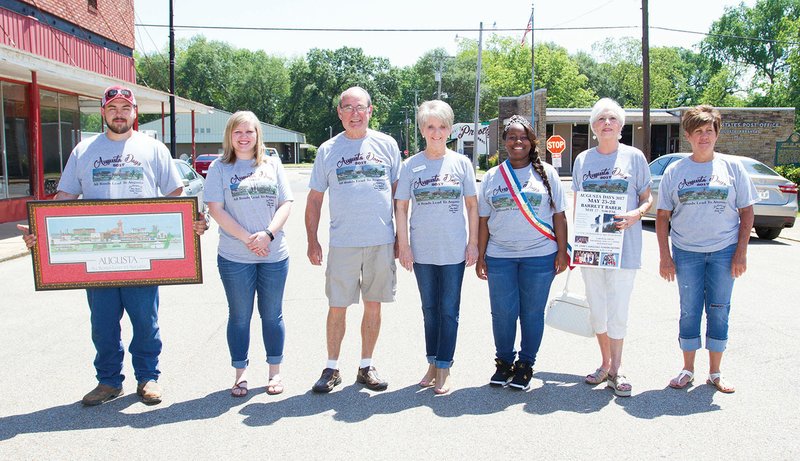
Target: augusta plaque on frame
[113,243]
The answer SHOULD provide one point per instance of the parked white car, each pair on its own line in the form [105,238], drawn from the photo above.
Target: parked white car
[777,208]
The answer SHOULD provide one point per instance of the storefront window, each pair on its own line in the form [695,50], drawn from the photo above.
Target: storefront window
[15,173]
[60,131]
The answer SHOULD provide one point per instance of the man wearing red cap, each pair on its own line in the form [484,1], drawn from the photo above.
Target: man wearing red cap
[156,175]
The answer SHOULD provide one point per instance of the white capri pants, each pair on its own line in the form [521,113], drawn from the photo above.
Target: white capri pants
[609,294]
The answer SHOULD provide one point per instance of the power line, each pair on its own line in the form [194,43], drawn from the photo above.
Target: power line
[450,30]
[335,29]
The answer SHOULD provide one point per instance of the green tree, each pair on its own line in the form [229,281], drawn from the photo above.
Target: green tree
[764,38]
[260,84]
[317,82]
[205,72]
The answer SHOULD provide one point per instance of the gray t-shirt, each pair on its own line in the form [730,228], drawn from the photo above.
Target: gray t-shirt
[251,195]
[510,234]
[437,189]
[359,174]
[705,199]
[624,172]
[138,167]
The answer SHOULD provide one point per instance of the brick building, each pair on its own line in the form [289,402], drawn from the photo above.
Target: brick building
[747,131]
[56,58]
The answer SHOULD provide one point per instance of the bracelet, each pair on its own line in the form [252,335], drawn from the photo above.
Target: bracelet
[271,237]
[641,213]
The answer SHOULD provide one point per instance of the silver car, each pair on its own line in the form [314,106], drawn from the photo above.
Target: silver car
[776,209]
[193,183]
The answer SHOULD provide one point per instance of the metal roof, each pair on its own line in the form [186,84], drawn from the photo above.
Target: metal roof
[210,128]
[89,86]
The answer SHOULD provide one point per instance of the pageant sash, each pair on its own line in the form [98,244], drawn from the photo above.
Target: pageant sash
[524,205]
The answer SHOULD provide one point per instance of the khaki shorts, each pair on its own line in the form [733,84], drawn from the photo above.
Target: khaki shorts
[368,270]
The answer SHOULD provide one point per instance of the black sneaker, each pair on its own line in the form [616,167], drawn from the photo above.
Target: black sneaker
[504,373]
[523,372]
[330,378]
[368,376]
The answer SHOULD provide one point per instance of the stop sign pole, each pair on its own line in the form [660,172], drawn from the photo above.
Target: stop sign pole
[556,145]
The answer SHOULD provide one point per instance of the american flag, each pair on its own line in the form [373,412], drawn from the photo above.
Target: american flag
[528,29]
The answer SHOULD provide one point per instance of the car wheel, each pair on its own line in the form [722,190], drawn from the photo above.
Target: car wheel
[768,233]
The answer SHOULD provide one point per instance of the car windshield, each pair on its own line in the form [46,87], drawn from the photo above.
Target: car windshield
[660,164]
[205,158]
[756,167]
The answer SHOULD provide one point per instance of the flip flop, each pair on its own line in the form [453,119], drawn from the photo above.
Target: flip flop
[716,380]
[275,385]
[675,382]
[239,389]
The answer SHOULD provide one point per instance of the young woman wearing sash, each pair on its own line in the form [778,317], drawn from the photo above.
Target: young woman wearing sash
[522,245]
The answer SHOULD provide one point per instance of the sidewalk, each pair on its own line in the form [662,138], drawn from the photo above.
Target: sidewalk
[11,244]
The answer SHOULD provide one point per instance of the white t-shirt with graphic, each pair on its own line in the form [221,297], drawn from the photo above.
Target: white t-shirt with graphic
[251,195]
[437,189]
[510,233]
[359,174]
[138,167]
[622,172]
[705,199]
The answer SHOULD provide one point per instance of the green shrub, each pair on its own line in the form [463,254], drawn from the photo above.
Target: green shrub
[790,172]
[493,160]
[311,154]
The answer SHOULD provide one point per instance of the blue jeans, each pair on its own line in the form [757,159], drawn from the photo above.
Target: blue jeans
[440,292]
[242,281]
[704,281]
[518,289]
[106,306]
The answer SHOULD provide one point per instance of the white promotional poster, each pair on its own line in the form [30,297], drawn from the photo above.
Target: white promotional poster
[597,241]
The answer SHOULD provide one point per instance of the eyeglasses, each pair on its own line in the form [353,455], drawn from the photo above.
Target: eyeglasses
[350,109]
[114,92]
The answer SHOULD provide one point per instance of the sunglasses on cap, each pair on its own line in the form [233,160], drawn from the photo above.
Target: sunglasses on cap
[124,92]
[115,93]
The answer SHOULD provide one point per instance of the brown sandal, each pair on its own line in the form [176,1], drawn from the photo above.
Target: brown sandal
[599,376]
[239,389]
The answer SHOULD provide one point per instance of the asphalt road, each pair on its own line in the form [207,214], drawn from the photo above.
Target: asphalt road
[46,366]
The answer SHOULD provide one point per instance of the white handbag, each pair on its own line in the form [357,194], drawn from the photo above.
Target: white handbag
[569,312]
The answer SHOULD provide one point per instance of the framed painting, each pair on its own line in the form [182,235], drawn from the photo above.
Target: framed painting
[114,243]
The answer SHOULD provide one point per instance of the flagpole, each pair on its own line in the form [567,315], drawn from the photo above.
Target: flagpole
[533,73]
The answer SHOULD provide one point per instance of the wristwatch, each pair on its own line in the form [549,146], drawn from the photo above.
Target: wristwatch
[271,237]
[641,213]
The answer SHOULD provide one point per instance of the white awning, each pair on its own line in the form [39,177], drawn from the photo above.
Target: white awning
[17,65]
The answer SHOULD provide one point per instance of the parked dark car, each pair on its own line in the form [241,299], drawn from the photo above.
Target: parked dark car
[203,161]
[776,209]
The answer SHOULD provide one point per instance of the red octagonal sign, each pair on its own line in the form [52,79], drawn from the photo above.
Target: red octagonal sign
[556,144]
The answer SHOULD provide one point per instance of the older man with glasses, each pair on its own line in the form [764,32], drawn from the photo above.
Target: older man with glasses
[360,167]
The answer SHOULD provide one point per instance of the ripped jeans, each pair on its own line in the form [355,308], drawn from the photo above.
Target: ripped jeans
[704,282]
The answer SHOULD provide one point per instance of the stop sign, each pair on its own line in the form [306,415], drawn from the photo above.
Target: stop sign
[556,145]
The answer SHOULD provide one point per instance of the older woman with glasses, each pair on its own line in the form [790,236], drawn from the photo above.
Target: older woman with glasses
[441,183]
[609,290]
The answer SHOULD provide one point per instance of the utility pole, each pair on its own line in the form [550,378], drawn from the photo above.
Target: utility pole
[646,82]
[405,117]
[416,106]
[172,134]
[478,100]
[533,85]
